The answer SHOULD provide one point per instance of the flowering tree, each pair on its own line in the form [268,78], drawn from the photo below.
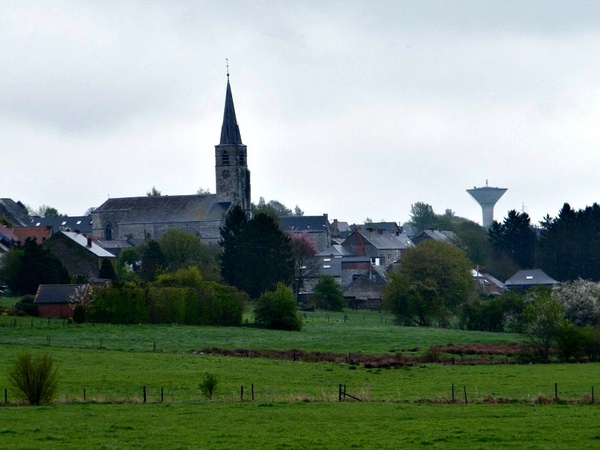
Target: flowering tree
[579,299]
[306,263]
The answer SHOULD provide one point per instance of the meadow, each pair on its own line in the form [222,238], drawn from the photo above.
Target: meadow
[296,403]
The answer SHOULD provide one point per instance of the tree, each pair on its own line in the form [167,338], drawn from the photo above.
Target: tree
[568,244]
[208,385]
[202,191]
[183,249]
[273,208]
[44,211]
[433,280]
[580,301]
[541,321]
[328,294]
[515,237]
[34,379]
[153,192]
[152,261]
[107,270]
[306,263]
[422,217]
[277,310]
[256,254]
[25,269]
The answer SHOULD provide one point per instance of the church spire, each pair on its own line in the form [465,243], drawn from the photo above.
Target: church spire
[230,132]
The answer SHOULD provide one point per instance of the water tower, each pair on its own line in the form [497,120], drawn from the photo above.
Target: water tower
[487,197]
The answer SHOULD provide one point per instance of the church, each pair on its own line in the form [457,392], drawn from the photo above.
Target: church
[122,222]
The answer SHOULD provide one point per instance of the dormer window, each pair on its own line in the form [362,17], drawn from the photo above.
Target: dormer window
[225,158]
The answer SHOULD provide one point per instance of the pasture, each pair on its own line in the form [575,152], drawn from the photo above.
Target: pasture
[296,403]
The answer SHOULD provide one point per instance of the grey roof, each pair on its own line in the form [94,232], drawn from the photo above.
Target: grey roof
[383,240]
[390,227]
[83,224]
[230,132]
[176,208]
[15,212]
[307,224]
[438,235]
[363,288]
[527,278]
[337,250]
[57,293]
[89,245]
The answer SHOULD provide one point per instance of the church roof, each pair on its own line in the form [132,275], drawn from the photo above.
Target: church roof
[230,132]
[166,208]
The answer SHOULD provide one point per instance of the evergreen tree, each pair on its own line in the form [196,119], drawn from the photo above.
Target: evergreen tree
[256,254]
[107,270]
[515,238]
[152,261]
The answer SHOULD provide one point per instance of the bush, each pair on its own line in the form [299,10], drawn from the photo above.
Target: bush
[34,379]
[277,310]
[79,314]
[26,307]
[208,386]
[328,294]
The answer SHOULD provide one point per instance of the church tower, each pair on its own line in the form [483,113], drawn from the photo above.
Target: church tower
[232,174]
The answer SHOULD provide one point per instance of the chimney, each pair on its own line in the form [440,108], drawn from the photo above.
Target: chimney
[89,242]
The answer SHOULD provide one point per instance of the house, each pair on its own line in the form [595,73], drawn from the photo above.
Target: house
[137,219]
[449,237]
[80,254]
[39,234]
[382,247]
[56,300]
[316,228]
[525,279]
[487,284]
[14,213]
[364,292]
[79,224]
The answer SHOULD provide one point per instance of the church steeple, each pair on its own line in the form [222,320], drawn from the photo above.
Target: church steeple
[230,132]
[231,163]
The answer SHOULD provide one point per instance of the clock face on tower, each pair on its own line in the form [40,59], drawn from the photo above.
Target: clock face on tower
[225,173]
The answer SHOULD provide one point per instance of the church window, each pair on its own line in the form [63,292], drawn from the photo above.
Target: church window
[108,232]
[225,158]
[242,158]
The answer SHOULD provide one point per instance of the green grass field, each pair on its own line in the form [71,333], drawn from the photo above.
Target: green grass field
[295,402]
[363,332]
[300,426]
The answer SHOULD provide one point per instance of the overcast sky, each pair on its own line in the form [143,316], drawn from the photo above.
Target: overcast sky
[352,108]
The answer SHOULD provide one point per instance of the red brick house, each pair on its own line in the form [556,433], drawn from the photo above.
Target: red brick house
[54,300]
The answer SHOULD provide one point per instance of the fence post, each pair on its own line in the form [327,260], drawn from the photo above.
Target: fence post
[452,392]
[84,394]
[162,394]
[252,387]
[466,401]
[556,392]
[340,392]
[144,394]
[154,347]
[241,393]
[592,395]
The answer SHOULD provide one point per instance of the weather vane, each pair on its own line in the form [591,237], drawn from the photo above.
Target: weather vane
[227,63]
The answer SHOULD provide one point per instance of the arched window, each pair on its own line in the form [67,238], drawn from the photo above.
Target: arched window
[225,158]
[108,231]
[242,157]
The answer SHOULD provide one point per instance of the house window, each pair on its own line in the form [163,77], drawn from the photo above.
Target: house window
[242,158]
[225,158]
[108,232]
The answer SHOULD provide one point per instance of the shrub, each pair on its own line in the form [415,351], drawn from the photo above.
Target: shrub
[208,385]
[277,310]
[26,307]
[34,379]
[328,294]
[79,314]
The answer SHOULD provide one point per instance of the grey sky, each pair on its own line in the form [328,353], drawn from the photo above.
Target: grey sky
[353,108]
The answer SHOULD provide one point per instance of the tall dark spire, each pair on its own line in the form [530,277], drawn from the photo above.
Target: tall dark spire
[230,132]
